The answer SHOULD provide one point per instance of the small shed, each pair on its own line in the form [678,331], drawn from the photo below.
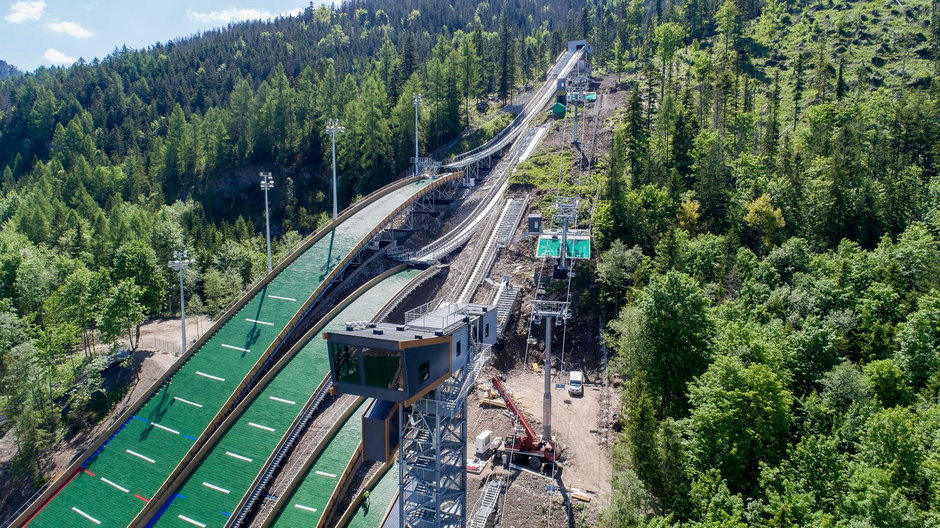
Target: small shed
[559,110]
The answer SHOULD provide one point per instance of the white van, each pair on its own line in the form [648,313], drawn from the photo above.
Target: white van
[575,383]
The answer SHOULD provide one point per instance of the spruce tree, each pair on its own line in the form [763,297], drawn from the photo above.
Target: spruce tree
[507,61]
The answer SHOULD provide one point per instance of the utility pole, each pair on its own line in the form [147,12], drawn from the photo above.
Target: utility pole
[333,128]
[267,183]
[547,393]
[574,138]
[417,104]
[549,312]
[180,262]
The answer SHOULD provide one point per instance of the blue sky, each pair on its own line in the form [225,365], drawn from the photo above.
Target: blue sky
[37,33]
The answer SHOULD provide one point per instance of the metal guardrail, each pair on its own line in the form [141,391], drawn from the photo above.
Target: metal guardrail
[19,511]
[487,503]
[407,290]
[300,424]
[568,60]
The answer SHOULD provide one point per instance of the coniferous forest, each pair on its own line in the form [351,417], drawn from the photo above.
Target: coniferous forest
[768,226]
[772,220]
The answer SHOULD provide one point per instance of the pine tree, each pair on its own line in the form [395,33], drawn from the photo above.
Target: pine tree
[442,95]
[798,87]
[840,81]
[507,61]
[365,147]
[390,69]
[821,80]
[409,59]
[772,130]
[636,139]
[240,121]
[618,52]
[935,33]
[469,73]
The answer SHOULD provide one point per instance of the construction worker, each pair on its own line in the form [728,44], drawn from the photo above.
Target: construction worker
[366,500]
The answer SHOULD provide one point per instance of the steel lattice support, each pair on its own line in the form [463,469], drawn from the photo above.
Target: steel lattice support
[432,459]
[432,454]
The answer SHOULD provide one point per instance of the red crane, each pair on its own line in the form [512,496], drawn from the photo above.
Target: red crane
[538,450]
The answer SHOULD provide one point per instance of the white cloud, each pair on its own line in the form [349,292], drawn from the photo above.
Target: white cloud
[293,12]
[56,57]
[71,29]
[226,16]
[25,12]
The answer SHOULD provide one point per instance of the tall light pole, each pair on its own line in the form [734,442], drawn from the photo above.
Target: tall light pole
[267,183]
[417,104]
[180,262]
[333,128]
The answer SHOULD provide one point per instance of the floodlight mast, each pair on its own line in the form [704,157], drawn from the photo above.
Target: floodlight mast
[180,262]
[267,183]
[417,104]
[333,128]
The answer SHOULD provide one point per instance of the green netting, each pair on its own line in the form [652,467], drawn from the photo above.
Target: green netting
[380,498]
[577,248]
[141,456]
[234,463]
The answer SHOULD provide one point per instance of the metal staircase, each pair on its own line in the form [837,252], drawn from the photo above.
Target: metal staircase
[505,227]
[510,220]
[487,504]
[505,304]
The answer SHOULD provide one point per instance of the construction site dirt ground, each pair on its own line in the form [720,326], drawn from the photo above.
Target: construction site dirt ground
[578,425]
[577,422]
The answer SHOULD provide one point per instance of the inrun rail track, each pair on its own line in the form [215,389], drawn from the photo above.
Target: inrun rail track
[384,490]
[562,67]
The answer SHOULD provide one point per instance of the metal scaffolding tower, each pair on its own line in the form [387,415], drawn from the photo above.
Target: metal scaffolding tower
[433,451]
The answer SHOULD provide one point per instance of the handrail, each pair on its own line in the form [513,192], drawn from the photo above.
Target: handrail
[54,487]
[370,484]
[459,234]
[407,290]
[48,492]
[13,516]
[505,131]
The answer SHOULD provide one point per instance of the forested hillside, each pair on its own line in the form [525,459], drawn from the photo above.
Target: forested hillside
[769,222]
[109,166]
[772,224]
